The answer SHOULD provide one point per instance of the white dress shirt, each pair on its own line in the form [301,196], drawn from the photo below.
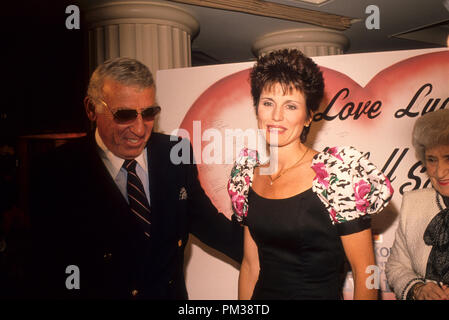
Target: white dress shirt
[118,173]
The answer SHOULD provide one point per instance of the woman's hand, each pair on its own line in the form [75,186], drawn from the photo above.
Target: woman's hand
[431,291]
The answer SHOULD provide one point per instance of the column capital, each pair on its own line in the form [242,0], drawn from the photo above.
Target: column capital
[157,33]
[311,41]
[103,13]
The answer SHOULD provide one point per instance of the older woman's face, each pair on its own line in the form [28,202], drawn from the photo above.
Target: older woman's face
[437,165]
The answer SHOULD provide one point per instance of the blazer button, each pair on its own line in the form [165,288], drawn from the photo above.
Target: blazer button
[134,292]
[179,242]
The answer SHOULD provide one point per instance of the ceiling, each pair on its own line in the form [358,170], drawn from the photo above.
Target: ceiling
[45,64]
[227,36]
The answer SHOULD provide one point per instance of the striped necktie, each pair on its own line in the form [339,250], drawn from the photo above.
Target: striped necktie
[137,199]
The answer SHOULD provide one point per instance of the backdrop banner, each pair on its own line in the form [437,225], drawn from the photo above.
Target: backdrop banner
[371,103]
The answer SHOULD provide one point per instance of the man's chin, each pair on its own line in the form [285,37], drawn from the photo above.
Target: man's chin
[131,153]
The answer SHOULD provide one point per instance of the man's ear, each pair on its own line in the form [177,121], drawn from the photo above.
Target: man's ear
[90,109]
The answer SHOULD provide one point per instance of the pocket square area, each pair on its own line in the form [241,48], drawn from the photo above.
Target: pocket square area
[183,194]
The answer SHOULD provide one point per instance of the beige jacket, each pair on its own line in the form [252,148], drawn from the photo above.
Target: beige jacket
[407,262]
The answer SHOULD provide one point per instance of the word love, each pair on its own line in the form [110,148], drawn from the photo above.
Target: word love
[350,109]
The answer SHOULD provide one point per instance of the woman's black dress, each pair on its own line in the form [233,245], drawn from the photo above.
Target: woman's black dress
[300,252]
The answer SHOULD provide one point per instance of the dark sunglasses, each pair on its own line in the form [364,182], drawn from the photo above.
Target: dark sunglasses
[123,116]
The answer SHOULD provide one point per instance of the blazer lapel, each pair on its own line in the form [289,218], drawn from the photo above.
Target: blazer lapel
[157,169]
[114,207]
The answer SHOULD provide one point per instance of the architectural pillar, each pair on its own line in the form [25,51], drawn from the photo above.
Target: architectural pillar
[311,41]
[156,33]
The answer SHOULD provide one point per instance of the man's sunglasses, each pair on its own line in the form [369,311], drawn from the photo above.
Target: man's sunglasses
[124,116]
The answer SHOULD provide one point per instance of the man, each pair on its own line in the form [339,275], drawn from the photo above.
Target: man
[111,213]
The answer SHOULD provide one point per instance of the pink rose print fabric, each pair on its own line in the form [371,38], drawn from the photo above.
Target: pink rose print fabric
[347,183]
[240,182]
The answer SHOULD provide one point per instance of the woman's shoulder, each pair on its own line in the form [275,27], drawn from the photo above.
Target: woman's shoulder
[243,170]
[419,193]
[345,154]
[419,197]
[348,184]
[346,161]
[240,181]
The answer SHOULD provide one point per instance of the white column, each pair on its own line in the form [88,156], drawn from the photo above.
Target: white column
[311,41]
[154,32]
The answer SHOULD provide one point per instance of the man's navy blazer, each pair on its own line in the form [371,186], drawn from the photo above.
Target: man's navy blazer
[79,218]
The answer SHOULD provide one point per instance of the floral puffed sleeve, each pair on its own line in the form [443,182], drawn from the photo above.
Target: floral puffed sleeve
[350,187]
[240,181]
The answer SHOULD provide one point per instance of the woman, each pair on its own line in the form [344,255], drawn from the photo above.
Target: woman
[301,219]
[418,266]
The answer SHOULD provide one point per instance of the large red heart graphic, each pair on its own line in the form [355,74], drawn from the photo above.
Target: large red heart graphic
[375,118]
[377,115]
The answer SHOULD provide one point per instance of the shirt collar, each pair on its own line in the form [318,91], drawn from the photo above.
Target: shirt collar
[114,163]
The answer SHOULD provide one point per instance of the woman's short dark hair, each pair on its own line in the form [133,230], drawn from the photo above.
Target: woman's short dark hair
[292,70]
[430,130]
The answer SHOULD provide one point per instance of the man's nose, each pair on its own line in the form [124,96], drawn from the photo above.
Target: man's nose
[138,126]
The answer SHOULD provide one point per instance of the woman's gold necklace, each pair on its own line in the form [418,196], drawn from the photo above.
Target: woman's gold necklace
[282,173]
